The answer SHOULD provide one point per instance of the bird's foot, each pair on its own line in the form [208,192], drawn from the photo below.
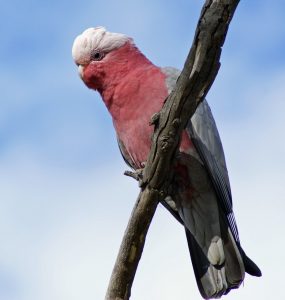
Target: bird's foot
[137,174]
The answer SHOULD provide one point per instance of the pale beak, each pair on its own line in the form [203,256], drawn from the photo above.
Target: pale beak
[80,71]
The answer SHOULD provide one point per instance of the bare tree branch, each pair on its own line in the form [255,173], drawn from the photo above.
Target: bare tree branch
[199,72]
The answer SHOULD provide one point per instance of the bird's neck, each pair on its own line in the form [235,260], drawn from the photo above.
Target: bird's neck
[124,70]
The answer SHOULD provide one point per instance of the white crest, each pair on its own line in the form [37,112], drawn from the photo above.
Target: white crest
[97,38]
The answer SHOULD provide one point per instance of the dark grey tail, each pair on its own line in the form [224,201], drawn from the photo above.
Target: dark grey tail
[215,281]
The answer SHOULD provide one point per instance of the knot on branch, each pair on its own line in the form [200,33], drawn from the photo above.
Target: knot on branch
[160,193]
[167,141]
[176,123]
[154,119]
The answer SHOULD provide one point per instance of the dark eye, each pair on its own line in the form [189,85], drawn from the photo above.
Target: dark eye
[96,55]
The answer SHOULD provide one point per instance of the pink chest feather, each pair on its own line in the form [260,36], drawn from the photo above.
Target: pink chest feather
[138,98]
[136,102]
[133,89]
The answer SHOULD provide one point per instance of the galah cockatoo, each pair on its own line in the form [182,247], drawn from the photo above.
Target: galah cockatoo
[133,89]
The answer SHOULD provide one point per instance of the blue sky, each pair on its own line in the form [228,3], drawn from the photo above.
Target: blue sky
[64,202]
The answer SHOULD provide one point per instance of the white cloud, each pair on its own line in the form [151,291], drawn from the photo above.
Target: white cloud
[63,225]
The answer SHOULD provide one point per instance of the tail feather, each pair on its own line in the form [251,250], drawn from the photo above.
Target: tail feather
[216,280]
[250,267]
[218,260]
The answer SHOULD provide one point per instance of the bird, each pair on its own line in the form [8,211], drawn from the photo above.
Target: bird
[133,90]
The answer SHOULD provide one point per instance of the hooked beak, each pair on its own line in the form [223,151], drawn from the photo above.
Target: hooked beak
[80,71]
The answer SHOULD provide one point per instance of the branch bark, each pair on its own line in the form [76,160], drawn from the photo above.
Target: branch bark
[198,74]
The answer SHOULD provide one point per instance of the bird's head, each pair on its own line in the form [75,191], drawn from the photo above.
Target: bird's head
[99,53]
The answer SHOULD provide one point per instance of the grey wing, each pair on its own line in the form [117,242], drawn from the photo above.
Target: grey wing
[204,134]
[128,160]
[171,77]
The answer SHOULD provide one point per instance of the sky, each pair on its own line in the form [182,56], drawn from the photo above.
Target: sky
[64,202]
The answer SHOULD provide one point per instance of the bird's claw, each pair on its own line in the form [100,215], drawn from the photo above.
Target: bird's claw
[137,174]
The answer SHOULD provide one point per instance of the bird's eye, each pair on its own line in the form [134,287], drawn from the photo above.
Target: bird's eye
[96,55]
